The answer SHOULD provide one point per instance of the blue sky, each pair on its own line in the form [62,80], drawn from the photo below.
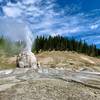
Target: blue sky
[77,18]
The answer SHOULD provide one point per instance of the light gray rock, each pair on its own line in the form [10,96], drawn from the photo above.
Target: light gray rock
[26,59]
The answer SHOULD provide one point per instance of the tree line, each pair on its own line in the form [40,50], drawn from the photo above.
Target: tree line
[57,43]
[60,43]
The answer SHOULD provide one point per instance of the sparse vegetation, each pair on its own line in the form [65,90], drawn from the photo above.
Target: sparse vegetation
[10,48]
[68,60]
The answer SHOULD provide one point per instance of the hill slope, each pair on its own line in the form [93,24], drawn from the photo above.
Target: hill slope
[68,60]
[60,59]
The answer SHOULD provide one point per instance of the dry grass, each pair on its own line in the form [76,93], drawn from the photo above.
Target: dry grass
[65,59]
[7,62]
[68,60]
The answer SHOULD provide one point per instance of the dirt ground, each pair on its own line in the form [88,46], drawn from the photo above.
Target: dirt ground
[68,60]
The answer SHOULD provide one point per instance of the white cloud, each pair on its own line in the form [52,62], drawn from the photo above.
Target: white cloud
[42,16]
[43,19]
[95,26]
[28,1]
[12,11]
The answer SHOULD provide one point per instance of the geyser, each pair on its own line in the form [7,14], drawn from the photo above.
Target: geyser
[17,30]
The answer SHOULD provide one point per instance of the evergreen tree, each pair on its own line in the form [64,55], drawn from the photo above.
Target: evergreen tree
[60,43]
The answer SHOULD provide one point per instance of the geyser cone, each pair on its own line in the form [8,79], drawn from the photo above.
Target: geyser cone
[26,59]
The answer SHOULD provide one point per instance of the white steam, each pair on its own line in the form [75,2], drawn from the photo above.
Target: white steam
[16,30]
[28,39]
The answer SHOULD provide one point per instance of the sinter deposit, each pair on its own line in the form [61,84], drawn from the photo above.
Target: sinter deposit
[26,59]
[46,83]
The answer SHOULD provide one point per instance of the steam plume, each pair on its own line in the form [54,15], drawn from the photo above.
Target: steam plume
[16,30]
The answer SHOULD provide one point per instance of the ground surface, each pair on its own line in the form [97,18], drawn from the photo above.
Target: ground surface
[27,84]
[53,59]
[50,90]
[68,60]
